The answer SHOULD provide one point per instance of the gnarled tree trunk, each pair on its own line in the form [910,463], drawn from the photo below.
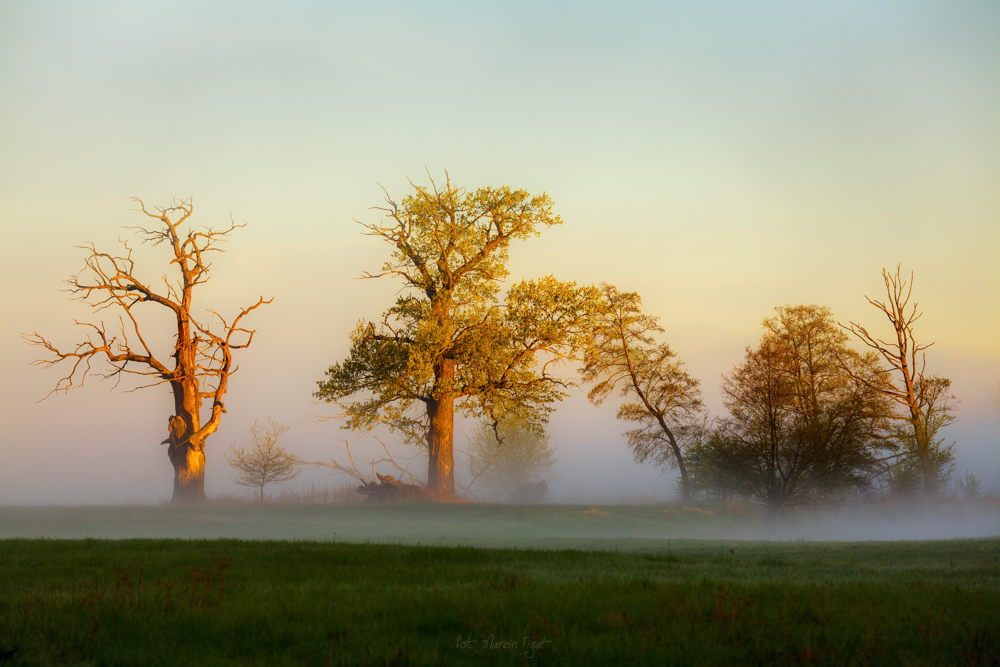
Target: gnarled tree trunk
[189,473]
[906,357]
[186,451]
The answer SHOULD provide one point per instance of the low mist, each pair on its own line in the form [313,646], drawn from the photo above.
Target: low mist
[629,527]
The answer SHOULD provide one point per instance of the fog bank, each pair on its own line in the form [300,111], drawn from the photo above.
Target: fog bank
[541,526]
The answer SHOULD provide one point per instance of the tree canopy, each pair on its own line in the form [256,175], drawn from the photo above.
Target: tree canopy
[665,399]
[806,421]
[450,342]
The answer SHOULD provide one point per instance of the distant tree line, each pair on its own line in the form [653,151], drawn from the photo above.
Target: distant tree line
[809,419]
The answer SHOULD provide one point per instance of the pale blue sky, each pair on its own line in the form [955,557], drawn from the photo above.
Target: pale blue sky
[720,158]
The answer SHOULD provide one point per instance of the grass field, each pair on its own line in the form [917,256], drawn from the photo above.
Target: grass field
[653,601]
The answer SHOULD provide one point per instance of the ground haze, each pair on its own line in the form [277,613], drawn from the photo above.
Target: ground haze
[547,526]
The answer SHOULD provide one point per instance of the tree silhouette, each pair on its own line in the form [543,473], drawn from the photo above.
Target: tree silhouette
[807,420]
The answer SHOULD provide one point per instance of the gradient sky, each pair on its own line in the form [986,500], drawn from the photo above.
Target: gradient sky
[719,158]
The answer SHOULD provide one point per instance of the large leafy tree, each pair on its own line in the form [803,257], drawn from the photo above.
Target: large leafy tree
[449,342]
[807,420]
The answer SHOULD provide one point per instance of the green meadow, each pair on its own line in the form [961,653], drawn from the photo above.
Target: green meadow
[607,600]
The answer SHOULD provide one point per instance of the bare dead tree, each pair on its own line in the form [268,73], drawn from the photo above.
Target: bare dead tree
[201,361]
[916,393]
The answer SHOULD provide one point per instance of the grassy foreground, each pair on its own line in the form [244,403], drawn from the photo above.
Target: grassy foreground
[310,603]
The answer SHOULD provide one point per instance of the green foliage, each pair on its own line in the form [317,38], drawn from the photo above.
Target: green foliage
[451,337]
[522,456]
[234,602]
[494,352]
[907,476]
[970,486]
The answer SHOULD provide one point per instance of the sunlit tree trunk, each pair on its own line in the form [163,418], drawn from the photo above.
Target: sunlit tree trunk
[441,435]
[187,445]
[188,460]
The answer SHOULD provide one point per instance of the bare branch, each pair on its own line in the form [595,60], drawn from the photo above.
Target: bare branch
[200,363]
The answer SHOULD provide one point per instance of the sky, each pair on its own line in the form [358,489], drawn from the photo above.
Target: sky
[718,158]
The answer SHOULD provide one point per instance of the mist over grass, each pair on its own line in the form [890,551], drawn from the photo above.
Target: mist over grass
[540,526]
